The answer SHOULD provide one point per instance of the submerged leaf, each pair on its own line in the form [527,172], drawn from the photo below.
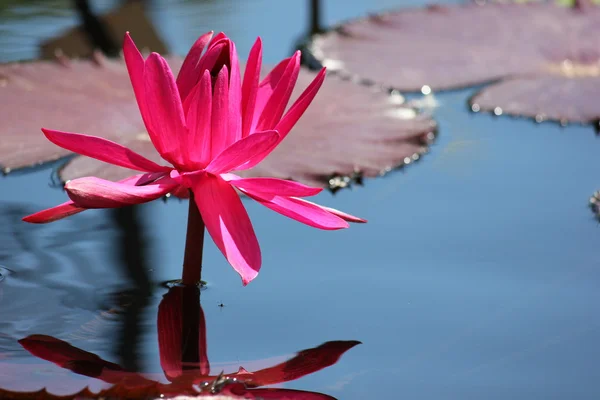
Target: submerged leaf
[546,56]
[348,131]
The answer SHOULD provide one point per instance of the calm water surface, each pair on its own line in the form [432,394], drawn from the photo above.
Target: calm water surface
[476,277]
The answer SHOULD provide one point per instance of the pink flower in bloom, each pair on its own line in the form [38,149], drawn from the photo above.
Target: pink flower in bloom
[207,123]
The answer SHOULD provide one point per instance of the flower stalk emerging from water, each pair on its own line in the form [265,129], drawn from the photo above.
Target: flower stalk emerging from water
[207,124]
[194,246]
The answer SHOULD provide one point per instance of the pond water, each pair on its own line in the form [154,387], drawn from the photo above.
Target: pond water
[476,277]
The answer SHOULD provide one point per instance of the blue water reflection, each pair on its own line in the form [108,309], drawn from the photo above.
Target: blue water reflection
[476,276]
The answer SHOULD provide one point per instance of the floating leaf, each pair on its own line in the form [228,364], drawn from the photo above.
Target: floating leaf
[348,130]
[545,56]
[543,97]
[94,97]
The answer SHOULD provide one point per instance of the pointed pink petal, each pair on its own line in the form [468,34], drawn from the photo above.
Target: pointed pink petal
[280,96]
[135,67]
[215,57]
[103,150]
[273,186]
[69,208]
[250,86]
[287,394]
[265,90]
[218,37]
[235,96]
[301,211]
[251,148]
[228,223]
[198,108]
[220,138]
[53,214]
[64,354]
[341,214]
[304,363]
[181,192]
[189,72]
[165,111]
[242,371]
[94,192]
[79,361]
[288,121]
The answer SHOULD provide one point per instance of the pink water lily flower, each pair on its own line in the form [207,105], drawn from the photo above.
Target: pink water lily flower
[207,124]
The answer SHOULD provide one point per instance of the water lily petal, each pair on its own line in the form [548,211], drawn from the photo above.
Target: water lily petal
[305,362]
[250,85]
[235,97]
[92,192]
[103,150]
[218,38]
[216,56]
[69,208]
[287,394]
[301,211]
[220,138]
[244,153]
[64,354]
[297,109]
[279,92]
[265,90]
[272,186]
[79,361]
[165,111]
[54,214]
[198,108]
[135,67]
[189,72]
[228,224]
[341,214]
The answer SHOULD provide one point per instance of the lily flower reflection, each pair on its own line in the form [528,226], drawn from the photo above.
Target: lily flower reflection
[183,357]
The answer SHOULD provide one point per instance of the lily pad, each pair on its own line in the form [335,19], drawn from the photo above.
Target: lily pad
[44,93]
[542,59]
[348,130]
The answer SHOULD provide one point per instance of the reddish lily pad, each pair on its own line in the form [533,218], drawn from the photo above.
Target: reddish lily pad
[38,94]
[347,130]
[543,58]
